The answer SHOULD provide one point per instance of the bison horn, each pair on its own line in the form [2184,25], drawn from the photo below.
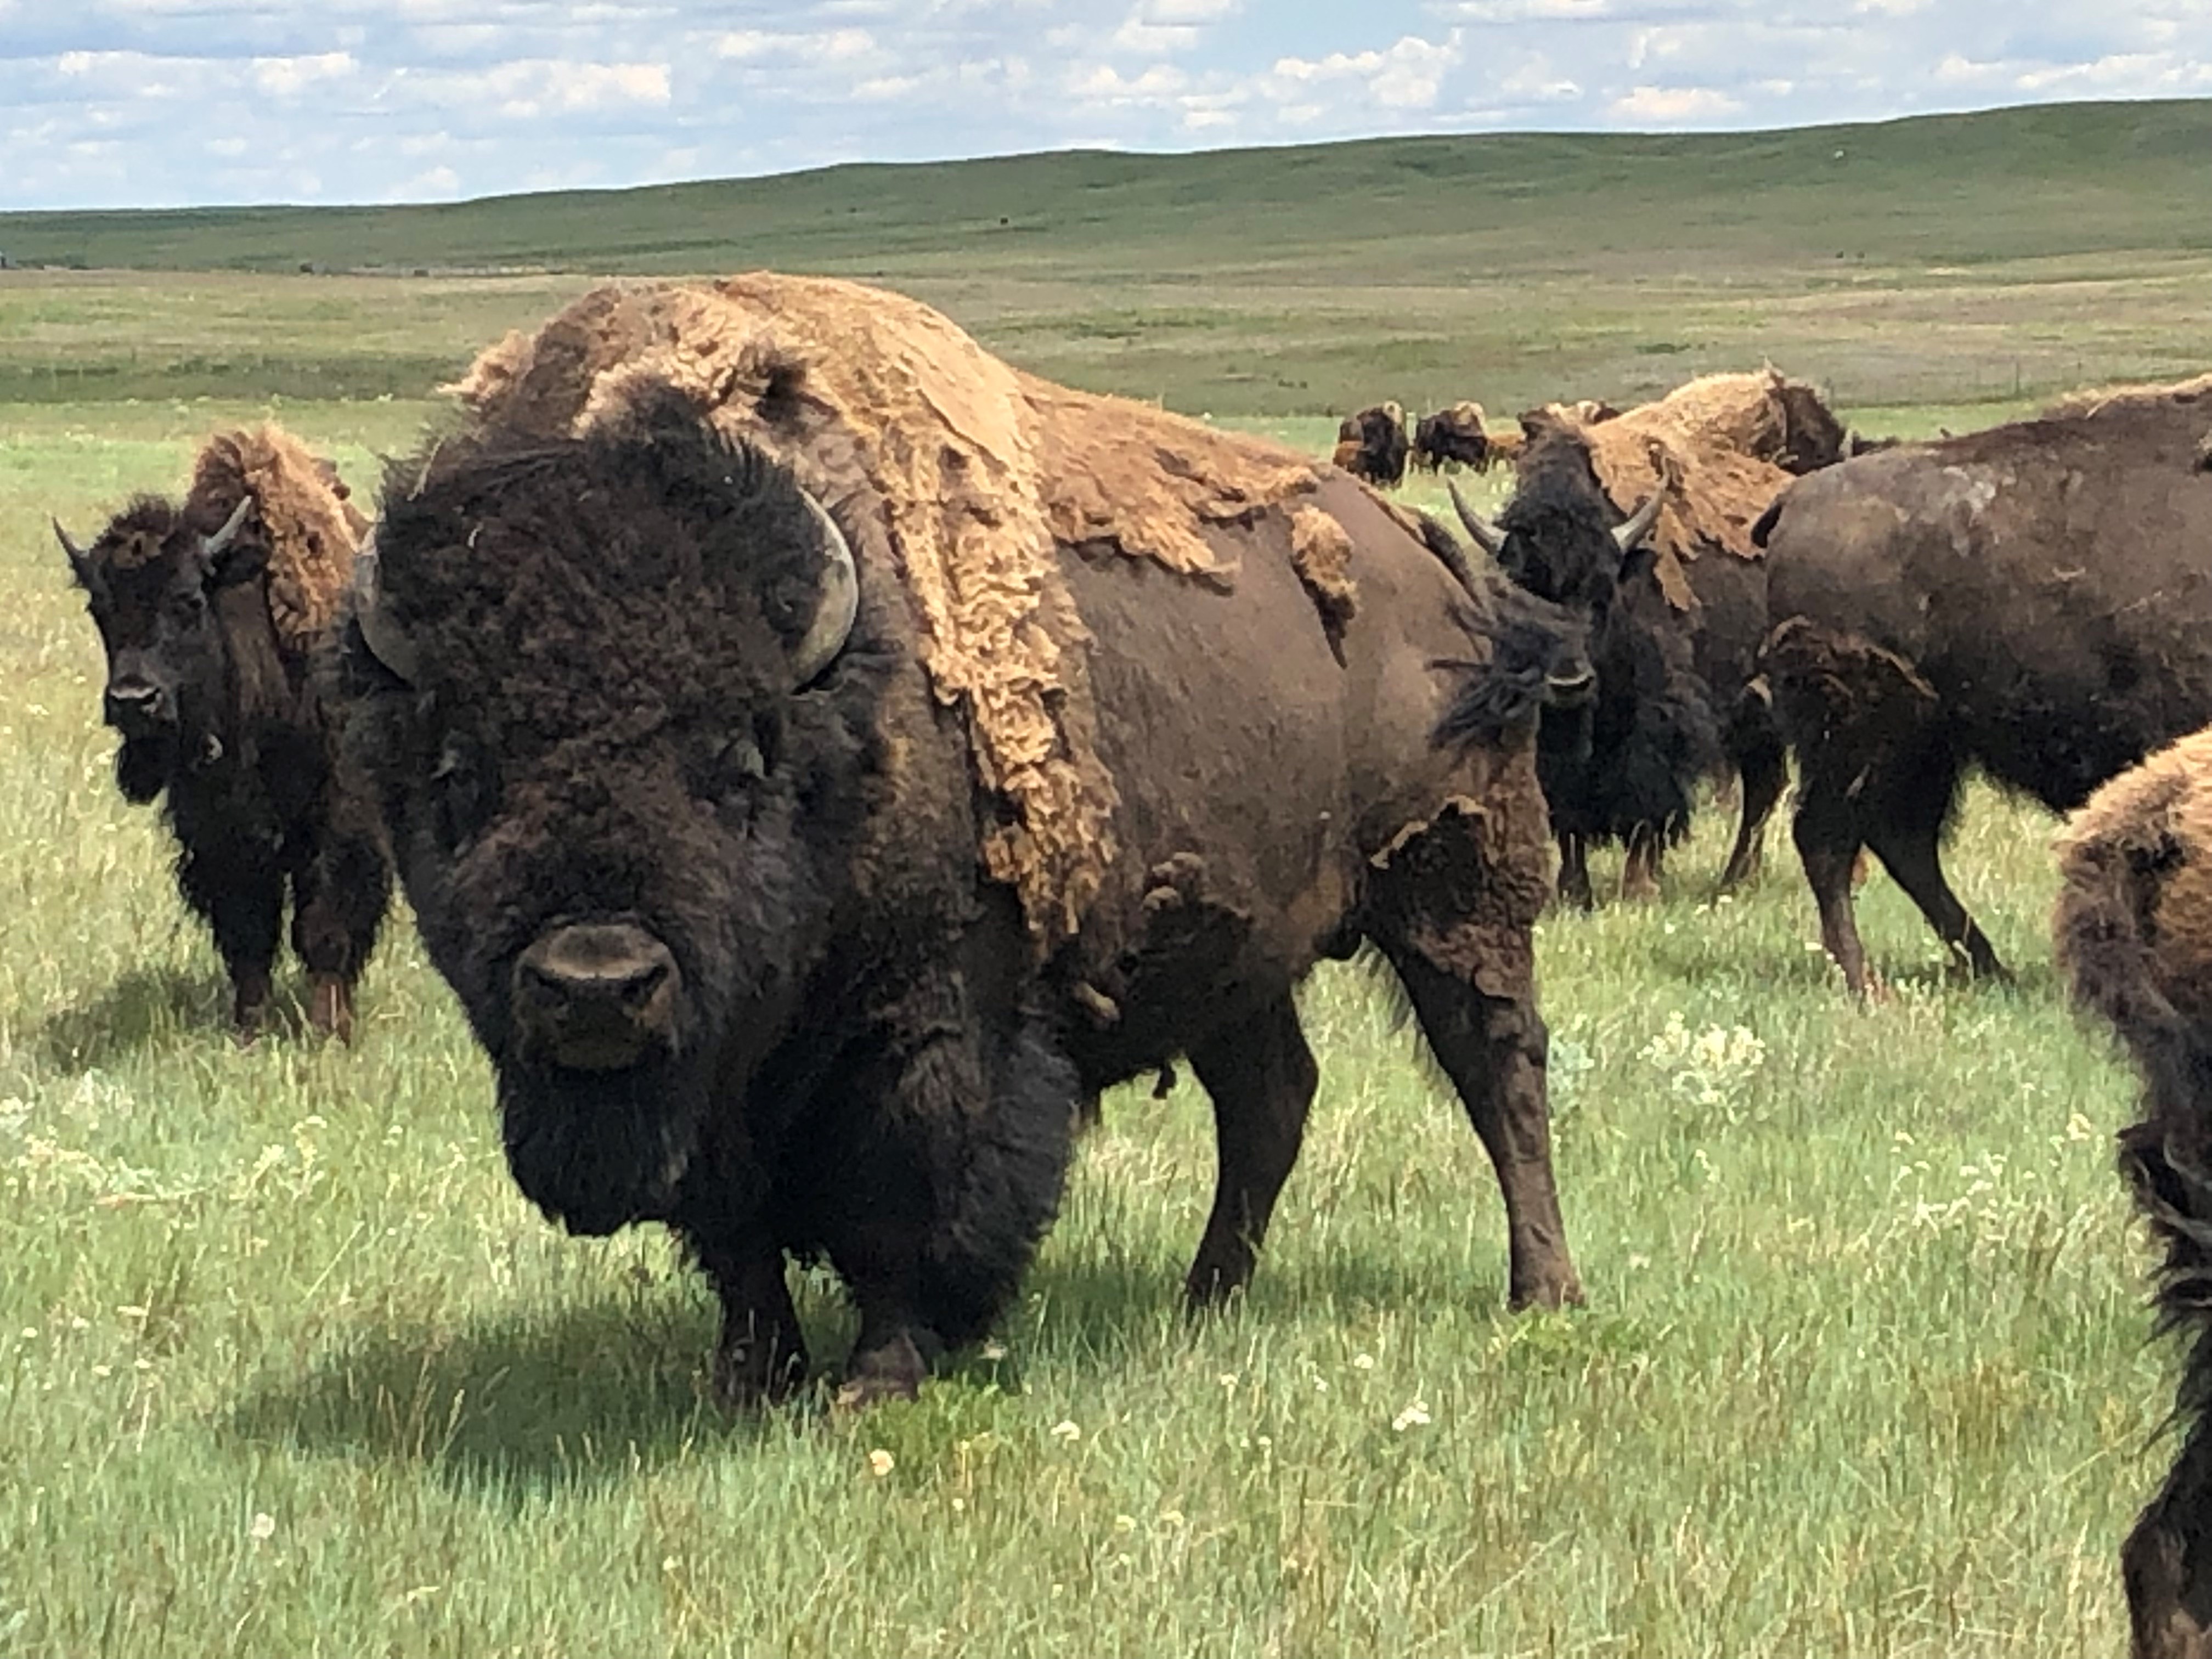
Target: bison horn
[841,601]
[1640,522]
[76,554]
[215,544]
[1487,536]
[377,631]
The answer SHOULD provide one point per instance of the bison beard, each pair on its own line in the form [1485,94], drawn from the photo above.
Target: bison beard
[596,1151]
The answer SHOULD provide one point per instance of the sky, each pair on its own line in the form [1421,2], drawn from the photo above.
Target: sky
[165,103]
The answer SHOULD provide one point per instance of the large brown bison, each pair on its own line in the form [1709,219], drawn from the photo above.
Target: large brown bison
[2032,599]
[820,757]
[2134,932]
[211,614]
[1373,446]
[1455,436]
[1642,522]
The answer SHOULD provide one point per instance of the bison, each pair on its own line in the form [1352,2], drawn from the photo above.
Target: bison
[2134,934]
[1372,444]
[820,757]
[211,614]
[2031,600]
[1641,522]
[1455,435]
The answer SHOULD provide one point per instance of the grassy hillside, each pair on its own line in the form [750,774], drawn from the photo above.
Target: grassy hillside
[1941,259]
[1961,189]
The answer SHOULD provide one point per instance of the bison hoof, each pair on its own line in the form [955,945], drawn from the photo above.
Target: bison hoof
[751,1375]
[1564,1291]
[329,1007]
[887,1370]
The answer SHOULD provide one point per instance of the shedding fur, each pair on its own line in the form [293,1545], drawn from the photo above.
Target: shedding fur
[2133,928]
[1722,448]
[955,469]
[1321,552]
[2097,400]
[302,510]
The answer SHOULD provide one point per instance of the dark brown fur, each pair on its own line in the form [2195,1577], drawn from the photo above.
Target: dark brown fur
[867,1060]
[2134,934]
[1372,444]
[220,718]
[2031,600]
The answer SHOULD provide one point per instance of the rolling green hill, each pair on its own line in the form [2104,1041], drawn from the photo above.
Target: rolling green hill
[1963,189]
[1935,260]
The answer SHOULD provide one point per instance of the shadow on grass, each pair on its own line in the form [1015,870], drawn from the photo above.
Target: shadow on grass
[145,1008]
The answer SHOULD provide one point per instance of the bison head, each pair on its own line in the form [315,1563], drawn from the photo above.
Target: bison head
[1559,537]
[156,586]
[602,687]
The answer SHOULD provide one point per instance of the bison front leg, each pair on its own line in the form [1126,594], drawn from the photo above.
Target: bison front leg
[952,1178]
[1494,1049]
[1261,1077]
[1574,883]
[761,1357]
[242,897]
[338,900]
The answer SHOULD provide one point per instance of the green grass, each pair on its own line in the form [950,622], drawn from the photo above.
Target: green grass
[287,1367]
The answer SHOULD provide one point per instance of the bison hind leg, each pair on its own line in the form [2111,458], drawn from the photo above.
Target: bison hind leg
[1262,1078]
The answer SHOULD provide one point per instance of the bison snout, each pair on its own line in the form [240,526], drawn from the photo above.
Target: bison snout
[597,996]
[136,707]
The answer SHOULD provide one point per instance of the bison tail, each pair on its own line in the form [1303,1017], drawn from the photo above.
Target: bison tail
[1537,656]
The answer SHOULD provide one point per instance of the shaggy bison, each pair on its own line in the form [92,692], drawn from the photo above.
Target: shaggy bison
[1456,435]
[1372,444]
[820,757]
[2030,599]
[2134,932]
[1641,522]
[211,614]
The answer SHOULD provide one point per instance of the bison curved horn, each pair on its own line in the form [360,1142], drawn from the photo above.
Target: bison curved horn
[1639,522]
[1487,536]
[841,601]
[379,632]
[214,545]
[76,554]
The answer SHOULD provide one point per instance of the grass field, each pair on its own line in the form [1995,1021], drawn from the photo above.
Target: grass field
[287,1367]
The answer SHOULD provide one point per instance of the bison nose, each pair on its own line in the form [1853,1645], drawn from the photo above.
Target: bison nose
[597,996]
[133,705]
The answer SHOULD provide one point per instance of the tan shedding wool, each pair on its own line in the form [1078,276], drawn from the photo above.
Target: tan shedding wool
[951,466]
[2096,399]
[2156,817]
[301,507]
[1714,445]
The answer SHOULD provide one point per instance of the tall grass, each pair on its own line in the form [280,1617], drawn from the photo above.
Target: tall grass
[287,1367]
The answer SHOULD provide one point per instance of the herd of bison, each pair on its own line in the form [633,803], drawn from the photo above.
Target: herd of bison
[819,757]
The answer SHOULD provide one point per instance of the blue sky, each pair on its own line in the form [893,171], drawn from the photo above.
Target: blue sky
[153,103]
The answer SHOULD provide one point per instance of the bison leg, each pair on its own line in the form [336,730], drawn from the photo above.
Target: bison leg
[338,900]
[1827,834]
[243,900]
[762,1356]
[1574,885]
[1765,769]
[1639,869]
[1906,836]
[1495,1049]
[2166,1563]
[1262,1078]
[952,1175]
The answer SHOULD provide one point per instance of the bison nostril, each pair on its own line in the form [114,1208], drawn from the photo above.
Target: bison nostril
[597,994]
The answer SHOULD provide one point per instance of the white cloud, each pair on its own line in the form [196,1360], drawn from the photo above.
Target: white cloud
[1669,106]
[287,77]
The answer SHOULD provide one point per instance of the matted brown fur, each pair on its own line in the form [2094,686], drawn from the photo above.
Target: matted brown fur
[950,466]
[1716,446]
[2095,400]
[301,507]
[1320,551]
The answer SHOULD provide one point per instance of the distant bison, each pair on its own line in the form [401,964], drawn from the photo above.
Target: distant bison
[1643,522]
[1372,444]
[2031,599]
[1456,435]
[2134,932]
[820,757]
[211,614]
